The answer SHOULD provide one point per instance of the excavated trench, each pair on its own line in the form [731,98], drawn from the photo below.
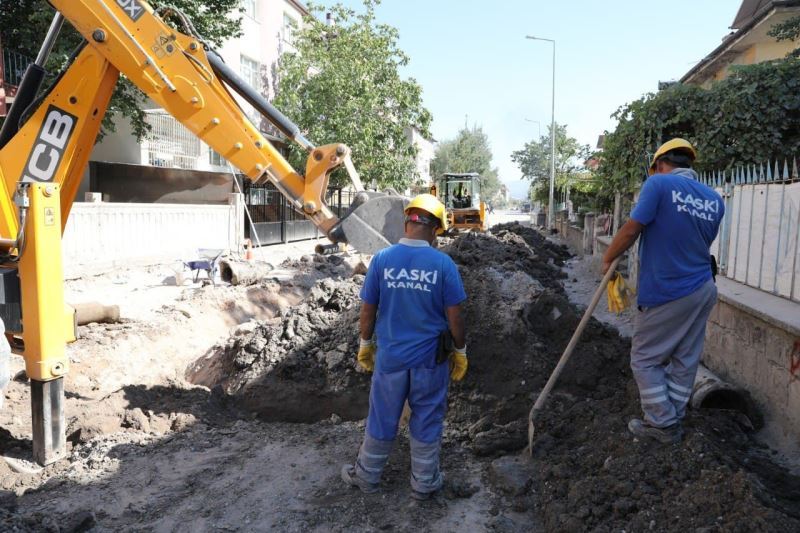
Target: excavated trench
[589,472]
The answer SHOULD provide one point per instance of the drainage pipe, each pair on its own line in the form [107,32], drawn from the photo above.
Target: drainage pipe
[712,392]
[244,272]
[328,249]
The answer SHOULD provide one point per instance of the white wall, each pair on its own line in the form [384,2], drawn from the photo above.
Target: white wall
[426,149]
[99,236]
[262,40]
[120,146]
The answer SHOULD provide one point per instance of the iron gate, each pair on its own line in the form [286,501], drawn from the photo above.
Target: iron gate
[276,221]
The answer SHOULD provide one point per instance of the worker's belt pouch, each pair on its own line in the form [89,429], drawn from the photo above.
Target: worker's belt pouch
[445,348]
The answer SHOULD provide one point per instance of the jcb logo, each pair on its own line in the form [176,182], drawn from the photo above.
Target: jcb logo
[132,8]
[49,148]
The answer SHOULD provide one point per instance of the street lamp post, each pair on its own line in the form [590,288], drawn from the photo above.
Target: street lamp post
[551,206]
[538,125]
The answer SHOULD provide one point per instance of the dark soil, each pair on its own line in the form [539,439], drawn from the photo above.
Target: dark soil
[298,367]
[587,472]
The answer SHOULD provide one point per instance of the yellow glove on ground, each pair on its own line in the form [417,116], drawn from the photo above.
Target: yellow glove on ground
[366,355]
[619,295]
[458,364]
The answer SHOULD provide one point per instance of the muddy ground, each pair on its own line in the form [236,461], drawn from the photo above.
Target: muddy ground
[233,409]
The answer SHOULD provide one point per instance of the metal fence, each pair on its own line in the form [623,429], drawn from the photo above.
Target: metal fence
[14,66]
[276,221]
[759,240]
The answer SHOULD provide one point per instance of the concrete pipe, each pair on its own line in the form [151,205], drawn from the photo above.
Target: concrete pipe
[328,249]
[711,392]
[86,313]
[244,272]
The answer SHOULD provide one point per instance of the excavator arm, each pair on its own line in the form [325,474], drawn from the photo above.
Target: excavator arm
[46,141]
[185,77]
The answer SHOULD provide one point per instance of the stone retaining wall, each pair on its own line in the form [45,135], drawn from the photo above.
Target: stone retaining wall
[753,341]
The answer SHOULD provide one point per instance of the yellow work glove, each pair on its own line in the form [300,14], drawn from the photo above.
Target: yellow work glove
[366,355]
[619,295]
[458,363]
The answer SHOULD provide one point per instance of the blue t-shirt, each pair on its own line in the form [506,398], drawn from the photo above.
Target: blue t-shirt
[412,284]
[681,218]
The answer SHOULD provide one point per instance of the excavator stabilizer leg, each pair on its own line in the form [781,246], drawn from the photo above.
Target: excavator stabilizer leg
[49,425]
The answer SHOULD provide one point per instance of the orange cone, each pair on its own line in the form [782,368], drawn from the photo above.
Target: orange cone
[248,250]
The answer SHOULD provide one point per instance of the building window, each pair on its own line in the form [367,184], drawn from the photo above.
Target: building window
[249,8]
[216,160]
[170,144]
[251,72]
[289,27]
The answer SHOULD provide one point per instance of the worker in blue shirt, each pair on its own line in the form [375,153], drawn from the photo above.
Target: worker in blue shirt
[412,294]
[678,219]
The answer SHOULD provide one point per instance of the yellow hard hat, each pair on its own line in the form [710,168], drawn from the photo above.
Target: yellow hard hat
[675,144]
[431,204]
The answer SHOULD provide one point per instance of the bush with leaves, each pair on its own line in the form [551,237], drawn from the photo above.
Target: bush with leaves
[24,23]
[343,85]
[751,117]
[788,30]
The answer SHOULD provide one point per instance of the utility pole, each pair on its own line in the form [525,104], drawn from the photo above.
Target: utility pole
[551,207]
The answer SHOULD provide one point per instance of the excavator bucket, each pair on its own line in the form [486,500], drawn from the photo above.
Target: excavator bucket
[375,223]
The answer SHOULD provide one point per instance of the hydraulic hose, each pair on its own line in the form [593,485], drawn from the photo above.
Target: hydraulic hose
[278,119]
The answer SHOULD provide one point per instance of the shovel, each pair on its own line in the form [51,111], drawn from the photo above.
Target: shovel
[567,353]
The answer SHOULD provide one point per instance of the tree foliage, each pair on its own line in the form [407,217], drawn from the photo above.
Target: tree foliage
[470,151]
[24,23]
[343,85]
[788,30]
[750,117]
[534,159]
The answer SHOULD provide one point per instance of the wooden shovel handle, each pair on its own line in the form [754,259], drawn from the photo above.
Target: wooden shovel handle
[574,340]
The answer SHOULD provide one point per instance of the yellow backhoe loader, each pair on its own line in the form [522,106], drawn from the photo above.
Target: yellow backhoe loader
[461,195]
[49,133]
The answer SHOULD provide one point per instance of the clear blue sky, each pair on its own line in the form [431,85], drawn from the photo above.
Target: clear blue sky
[472,60]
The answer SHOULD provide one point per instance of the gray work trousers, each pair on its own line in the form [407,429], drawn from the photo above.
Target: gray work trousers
[425,474]
[666,350]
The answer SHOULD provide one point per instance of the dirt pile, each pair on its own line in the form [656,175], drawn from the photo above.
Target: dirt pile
[587,473]
[298,367]
[511,248]
[518,321]
[550,251]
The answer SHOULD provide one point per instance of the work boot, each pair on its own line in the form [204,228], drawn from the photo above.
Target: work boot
[422,496]
[668,435]
[351,479]
[425,496]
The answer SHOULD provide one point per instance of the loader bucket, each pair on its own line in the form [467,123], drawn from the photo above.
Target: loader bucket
[374,224]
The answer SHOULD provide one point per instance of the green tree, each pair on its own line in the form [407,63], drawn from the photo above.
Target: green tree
[534,159]
[470,151]
[343,85]
[24,23]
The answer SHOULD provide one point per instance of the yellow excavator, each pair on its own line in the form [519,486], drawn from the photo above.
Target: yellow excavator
[49,133]
[461,195]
